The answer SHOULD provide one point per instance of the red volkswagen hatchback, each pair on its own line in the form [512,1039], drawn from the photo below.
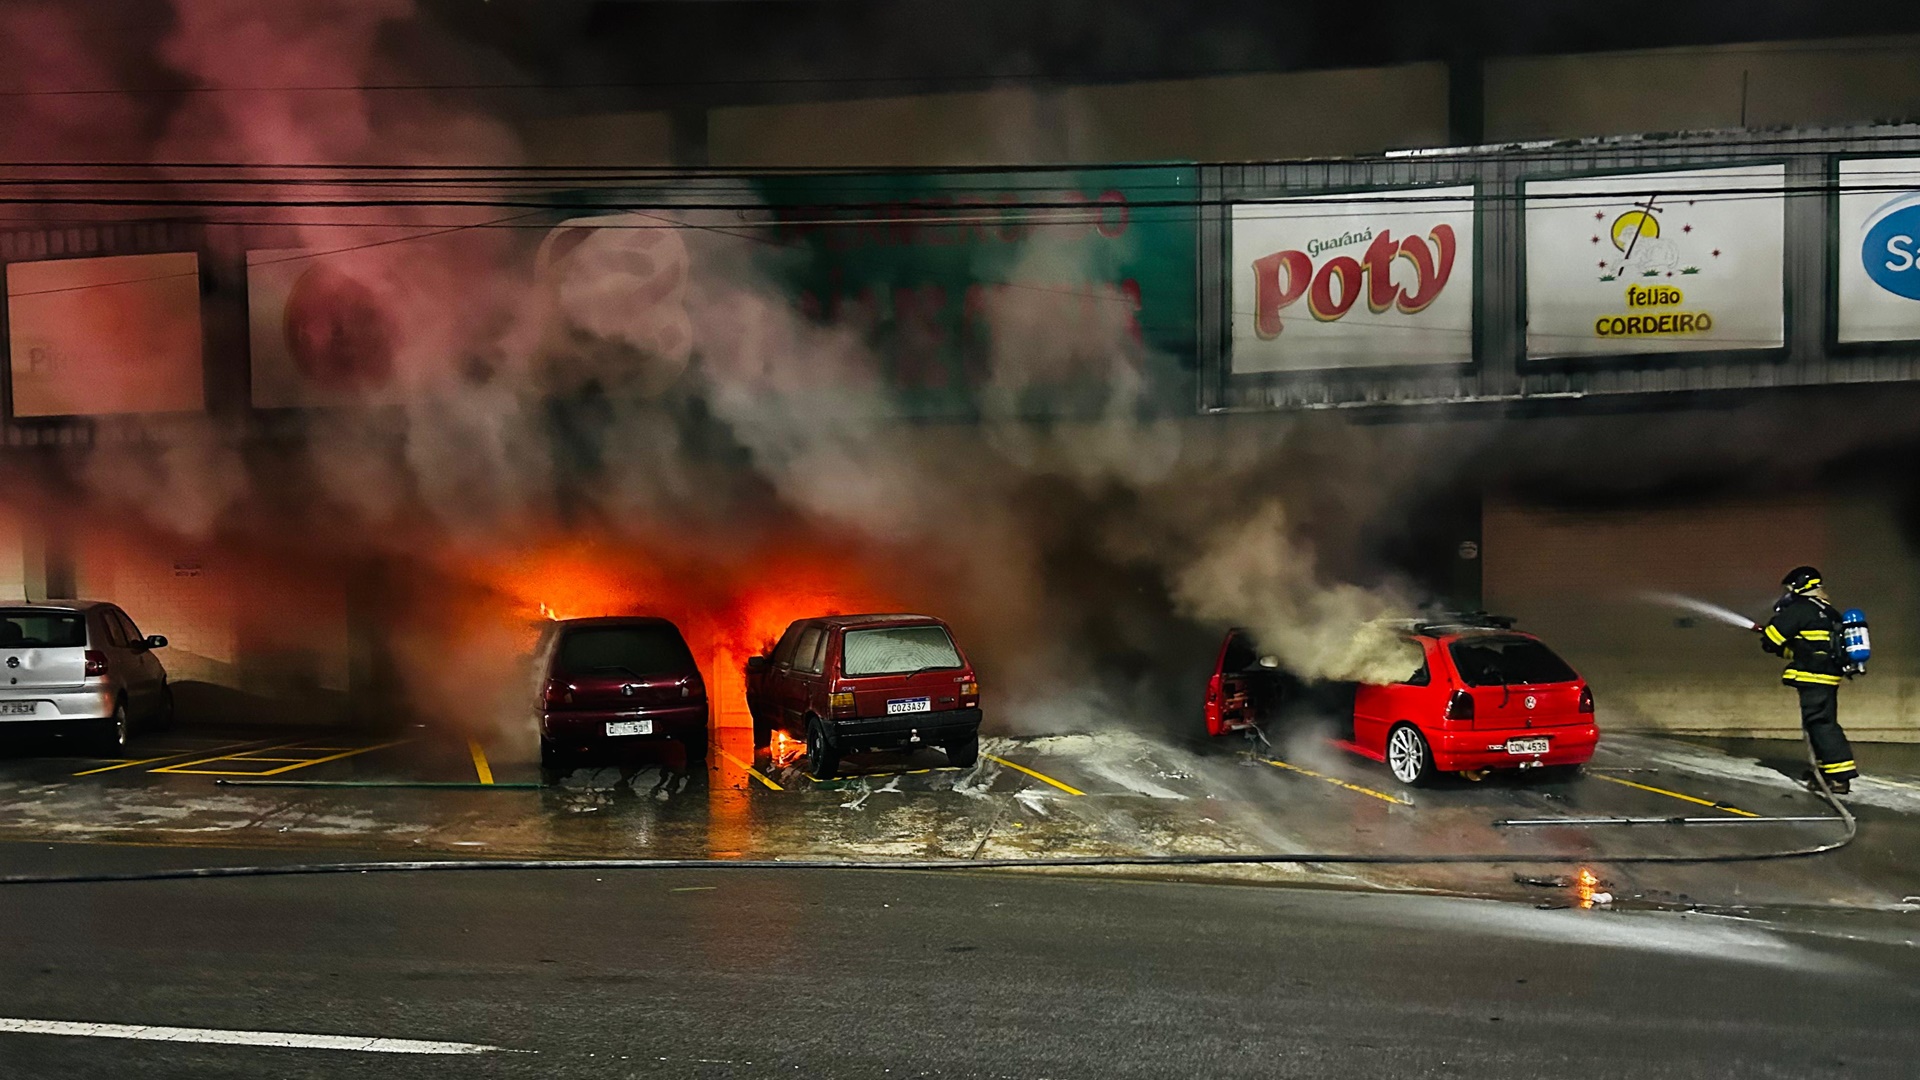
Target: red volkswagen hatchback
[1483,697]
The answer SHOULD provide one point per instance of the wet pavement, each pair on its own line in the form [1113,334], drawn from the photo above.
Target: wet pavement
[1116,793]
[749,973]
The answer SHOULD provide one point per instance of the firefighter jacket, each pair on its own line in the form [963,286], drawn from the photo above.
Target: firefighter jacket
[1806,630]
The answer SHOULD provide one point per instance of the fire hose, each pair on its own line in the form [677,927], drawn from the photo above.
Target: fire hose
[1824,792]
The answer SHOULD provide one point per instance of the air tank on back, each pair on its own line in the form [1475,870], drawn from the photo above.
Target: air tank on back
[1855,642]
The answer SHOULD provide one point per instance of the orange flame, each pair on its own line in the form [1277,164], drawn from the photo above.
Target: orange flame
[784,750]
[1587,889]
[729,608]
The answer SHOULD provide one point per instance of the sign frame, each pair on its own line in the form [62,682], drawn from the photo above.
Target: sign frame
[1675,358]
[1830,323]
[1477,334]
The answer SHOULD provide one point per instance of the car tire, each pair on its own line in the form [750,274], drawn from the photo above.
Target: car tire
[963,754]
[1409,757]
[762,734]
[822,759]
[112,740]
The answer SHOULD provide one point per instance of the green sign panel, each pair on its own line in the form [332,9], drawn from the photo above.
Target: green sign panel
[1043,293]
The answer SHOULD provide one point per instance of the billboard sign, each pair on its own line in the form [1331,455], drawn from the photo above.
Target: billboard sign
[1879,250]
[98,336]
[1374,279]
[318,331]
[1663,262]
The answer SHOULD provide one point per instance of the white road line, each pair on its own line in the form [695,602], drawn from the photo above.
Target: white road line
[288,1039]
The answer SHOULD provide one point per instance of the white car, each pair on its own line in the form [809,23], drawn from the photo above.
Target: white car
[80,668]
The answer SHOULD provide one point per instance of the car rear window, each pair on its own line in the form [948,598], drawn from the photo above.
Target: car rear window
[24,628]
[639,651]
[896,650]
[1514,661]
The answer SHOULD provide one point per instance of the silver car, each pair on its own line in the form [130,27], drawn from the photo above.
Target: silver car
[80,668]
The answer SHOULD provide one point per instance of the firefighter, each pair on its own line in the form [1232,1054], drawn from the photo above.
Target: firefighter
[1805,629]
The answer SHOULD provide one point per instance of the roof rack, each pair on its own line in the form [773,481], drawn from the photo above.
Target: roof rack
[1465,620]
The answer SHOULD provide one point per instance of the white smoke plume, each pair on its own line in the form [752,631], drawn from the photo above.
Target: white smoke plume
[641,395]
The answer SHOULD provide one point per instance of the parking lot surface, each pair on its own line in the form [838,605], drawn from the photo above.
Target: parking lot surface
[1115,793]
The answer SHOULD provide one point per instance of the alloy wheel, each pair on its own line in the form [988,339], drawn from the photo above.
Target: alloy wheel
[1405,755]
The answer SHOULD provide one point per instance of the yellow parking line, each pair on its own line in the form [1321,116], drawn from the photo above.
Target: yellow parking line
[751,771]
[480,766]
[299,764]
[1335,781]
[1043,777]
[163,757]
[210,760]
[1675,795]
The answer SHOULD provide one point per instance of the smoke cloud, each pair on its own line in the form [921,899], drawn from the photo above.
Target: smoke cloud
[630,413]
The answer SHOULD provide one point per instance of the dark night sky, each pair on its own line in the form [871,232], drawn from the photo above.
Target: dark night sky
[716,51]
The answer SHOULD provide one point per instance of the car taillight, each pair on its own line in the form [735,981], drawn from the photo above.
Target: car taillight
[1214,693]
[969,689]
[693,687]
[841,700]
[96,664]
[558,693]
[1460,706]
[1586,699]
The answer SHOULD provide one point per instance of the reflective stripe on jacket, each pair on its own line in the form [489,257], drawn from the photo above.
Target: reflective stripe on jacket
[1803,629]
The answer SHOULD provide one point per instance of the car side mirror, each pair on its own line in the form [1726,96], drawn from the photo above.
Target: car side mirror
[1270,662]
[155,641]
[756,664]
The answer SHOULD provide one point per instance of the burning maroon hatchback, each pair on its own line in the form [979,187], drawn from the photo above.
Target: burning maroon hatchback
[866,682]
[614,684]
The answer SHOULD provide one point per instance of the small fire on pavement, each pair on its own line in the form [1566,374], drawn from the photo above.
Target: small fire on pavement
[784,750]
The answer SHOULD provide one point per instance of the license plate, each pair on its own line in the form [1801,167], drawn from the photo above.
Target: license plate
[629,727]
[1526,746]
[907,705]
[16,708]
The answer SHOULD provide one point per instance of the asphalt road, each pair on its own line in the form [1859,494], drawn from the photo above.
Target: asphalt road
[817,974]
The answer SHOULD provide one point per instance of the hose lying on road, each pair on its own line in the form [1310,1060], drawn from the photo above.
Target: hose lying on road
[1054,861]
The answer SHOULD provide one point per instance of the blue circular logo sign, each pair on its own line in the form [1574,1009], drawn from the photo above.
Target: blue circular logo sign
[1891,251]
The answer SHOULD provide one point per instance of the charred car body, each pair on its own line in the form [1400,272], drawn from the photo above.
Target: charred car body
[1483,697]
[866,682]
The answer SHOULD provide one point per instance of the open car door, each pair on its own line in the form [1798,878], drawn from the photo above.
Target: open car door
[1242,689]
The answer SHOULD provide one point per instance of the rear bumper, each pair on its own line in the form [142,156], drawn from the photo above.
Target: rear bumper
[51,708]
[587,730]
[910,729]
[1461,751]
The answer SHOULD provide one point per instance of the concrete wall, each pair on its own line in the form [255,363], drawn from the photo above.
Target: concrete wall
[1756,86]
[631,138]
[1285,114]
[1296,114]
[244,644]
[1574,578]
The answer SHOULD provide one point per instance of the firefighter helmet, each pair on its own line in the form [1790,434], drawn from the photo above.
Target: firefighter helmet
[1801,579]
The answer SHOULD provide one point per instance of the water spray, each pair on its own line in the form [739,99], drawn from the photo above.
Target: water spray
[1701,607]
